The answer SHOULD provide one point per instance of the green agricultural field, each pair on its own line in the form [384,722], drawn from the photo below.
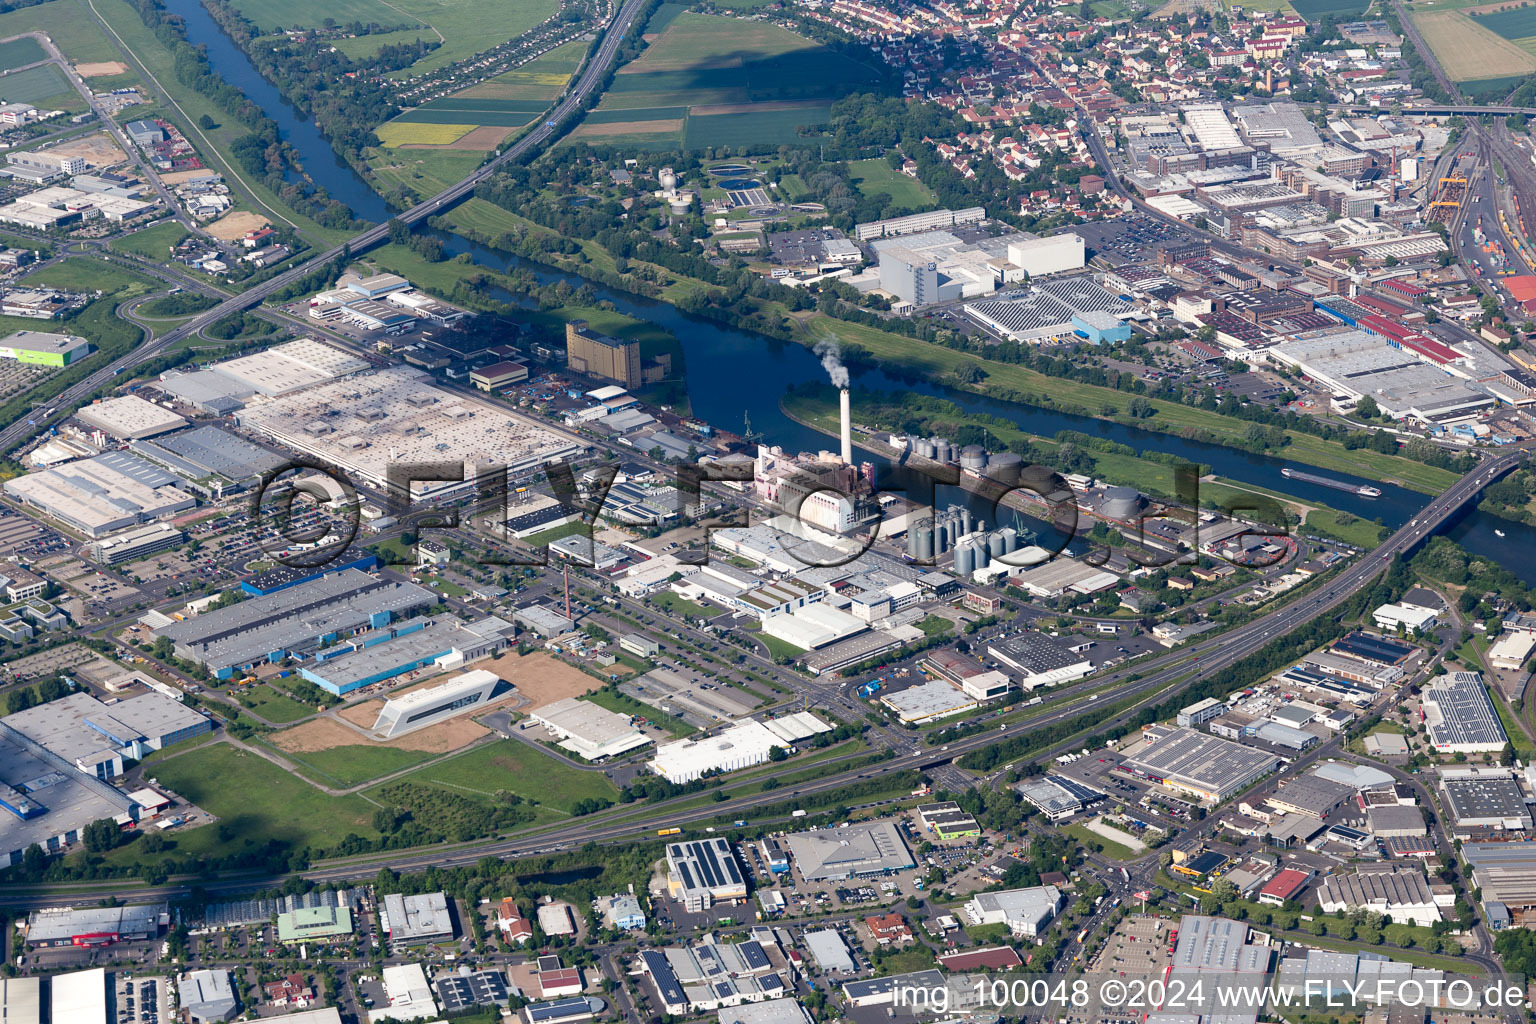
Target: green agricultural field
[541,78]
[426,170]
[468,27]
[1512,23]
[1314,9]
[275,706]
[272,15]
[21,52]
[44,86]
[151,243]
[256,800]
[665,15]
[518,768]
[1493,90]
[495,118]
[636,114]
[69,24]
[745,84]
[88,274]
[872,176]
[756,129]
[351,765]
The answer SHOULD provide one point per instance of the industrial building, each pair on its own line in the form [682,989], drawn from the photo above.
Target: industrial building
[1309,794]
[412,920]
[314,924]
[371,421]
[1059,797]
[430,705]
[96,926]
[1460,716]
[295,622]
[129,418]
[408,645]
[206,996]
[213,461]
[1207,767]
[742,745]
[1041,660]
[598,355]
[98,496]
[1026,912]
[1403,382]
[853,851]
[46,800]
[410,997]
[812,626]
[1055,254]
[1200,712]
[499,375]
[1485,799]
[703,872]
[947,821]
[43,349]
[928,701]
[95,737]
[1401,892]
[588,730]
[930,221]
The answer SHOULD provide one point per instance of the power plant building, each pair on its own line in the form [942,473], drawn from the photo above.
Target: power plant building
[598,355]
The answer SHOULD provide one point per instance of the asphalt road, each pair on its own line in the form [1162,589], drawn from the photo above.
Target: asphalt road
[1212,655]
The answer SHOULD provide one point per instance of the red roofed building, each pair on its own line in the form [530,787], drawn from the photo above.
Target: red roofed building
[566,981]
[514,926]
[1284,886]
[888,929]
[997,958]
[291,991]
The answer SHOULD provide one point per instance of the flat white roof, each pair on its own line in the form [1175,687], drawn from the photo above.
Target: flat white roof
[81,997]
[130,417]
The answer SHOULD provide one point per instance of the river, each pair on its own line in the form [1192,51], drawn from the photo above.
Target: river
[733,374]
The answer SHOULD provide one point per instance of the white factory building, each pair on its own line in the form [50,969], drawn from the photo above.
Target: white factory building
[588,730]
[421,708]
[742,745]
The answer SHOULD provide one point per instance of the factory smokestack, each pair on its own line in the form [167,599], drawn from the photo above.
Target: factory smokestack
[847,427]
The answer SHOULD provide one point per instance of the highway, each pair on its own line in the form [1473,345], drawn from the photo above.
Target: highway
[1186,664]
[596,69]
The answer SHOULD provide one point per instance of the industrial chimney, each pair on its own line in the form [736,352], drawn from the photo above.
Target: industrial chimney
[847,425]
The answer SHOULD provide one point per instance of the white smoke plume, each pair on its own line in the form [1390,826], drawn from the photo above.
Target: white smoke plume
[832,361]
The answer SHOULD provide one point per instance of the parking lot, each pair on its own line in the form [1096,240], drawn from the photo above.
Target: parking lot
[797,248]
[142,1000]
[1134,239]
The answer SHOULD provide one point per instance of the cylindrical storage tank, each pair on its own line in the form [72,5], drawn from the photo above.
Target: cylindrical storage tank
[914,537]
[668,178]
[925,543]
[681,206]
[943,537]
[965,521]
[1121,502]
[1005,468]
[1010,539]
[995,545]
[965,559]
[973,457]
[923,448]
